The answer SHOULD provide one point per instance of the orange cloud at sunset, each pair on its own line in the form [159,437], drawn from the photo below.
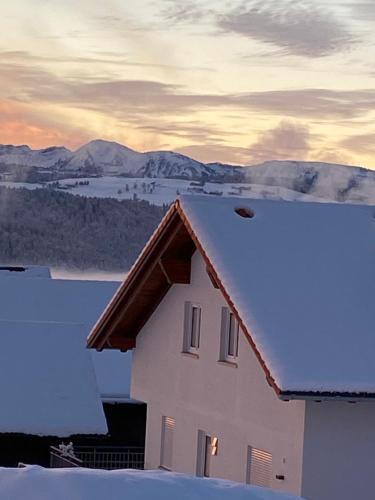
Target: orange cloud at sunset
[20,124]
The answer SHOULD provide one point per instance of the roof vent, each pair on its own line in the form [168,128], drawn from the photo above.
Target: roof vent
[244,212]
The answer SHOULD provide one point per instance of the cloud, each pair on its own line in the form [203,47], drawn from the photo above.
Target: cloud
[333,154]
[212,152]
[183,11]
[135,99]
[363,11]
[146,97]
[99,59]
[192,130]
[298,28]
[21,124]
[362,144]
[287,141]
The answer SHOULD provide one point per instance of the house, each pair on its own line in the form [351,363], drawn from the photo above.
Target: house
[252,326]
[53,389]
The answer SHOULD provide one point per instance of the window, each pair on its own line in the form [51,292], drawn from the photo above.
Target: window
[204,452]
[229,336]
[166,449]
[192,327]
[259,467]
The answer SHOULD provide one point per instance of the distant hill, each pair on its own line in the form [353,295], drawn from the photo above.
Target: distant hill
[62,230]
[326,181]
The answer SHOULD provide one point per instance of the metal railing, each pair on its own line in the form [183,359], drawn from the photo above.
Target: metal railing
[57,459]
[110,457]
[99,457]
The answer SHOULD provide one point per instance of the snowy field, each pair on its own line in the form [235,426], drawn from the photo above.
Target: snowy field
[159,191]
[37,483]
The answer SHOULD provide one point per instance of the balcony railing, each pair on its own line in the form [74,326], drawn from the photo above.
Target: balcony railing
[101,457]
[57,459]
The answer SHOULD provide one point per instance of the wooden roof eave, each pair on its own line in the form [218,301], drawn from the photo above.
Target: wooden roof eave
[106,323]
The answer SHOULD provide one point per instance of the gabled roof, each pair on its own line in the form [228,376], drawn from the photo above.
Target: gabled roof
[299,276]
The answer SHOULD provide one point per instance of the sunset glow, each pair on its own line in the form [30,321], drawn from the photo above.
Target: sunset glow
[238,82]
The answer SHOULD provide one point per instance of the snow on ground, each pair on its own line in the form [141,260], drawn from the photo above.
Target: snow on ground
[159,190]
[37,483]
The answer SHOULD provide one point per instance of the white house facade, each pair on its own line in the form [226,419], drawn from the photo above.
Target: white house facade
[202,393]
[254,355]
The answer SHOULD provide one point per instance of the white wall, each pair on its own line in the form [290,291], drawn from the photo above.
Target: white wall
[235,404]
[339,451]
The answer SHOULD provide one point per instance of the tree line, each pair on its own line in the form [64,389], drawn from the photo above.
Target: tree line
[46,227]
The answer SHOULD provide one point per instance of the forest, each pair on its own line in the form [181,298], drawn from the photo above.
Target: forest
[46,227]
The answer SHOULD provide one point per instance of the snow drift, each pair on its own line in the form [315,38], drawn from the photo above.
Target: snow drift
[37,483]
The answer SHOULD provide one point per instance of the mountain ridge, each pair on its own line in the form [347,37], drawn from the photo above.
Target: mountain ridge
[100,158]
[111,158]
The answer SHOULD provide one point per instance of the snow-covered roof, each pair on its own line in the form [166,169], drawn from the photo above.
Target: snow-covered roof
[24,271]
[68,301]
[36,483]
[47,380]
[302,279]
[299,276]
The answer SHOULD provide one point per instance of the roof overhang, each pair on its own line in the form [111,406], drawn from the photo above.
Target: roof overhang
[166,260]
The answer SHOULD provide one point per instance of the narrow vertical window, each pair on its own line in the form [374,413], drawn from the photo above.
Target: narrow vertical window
[195,327]
[232,340]
[259,467]
[207,457]
[229,336]
[204,452]
[166,448]
[192,327]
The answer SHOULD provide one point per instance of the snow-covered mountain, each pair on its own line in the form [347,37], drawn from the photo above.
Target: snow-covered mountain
[319,180]
[115,159]
[322,180]
[111,158]
[23,156]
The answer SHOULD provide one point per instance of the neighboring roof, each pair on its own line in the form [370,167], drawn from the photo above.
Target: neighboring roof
[47,381]
[299,276]
[67,301]
[24,271]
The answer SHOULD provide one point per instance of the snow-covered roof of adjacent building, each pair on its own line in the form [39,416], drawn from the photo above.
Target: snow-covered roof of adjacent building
[68,301]
[58,385]
[47,380]
[24,271]
[299,276]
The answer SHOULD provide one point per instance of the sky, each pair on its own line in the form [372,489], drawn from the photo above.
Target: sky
[233,81]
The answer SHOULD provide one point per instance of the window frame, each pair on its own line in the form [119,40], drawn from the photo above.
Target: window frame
[229,336]
[192,328]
